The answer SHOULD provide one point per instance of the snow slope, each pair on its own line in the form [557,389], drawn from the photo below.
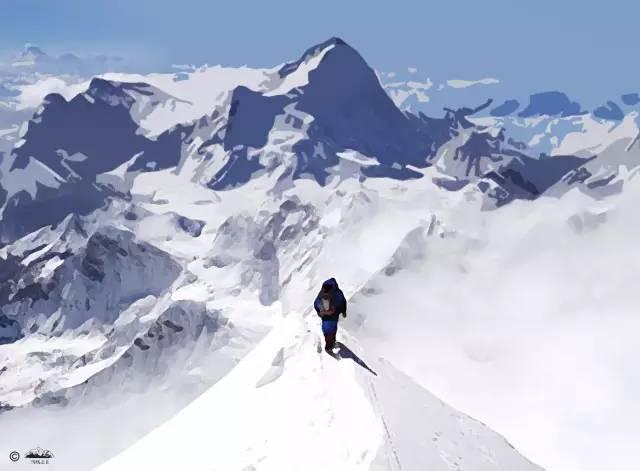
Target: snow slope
[136,380]
[178,97]
[289,406]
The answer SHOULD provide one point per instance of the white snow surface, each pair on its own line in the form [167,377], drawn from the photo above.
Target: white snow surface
[26,179]
[470,342]
[288,405]
[199,93]
[189,95]
[266,403]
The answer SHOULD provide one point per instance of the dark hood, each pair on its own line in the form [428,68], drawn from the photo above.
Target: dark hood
[331,283]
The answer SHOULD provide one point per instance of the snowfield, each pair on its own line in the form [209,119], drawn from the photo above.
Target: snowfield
[289,405]
[244,399]
[163,236]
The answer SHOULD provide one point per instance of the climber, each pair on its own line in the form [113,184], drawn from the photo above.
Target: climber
[329,304]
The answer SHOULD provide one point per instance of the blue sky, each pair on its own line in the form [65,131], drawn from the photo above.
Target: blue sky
[586,48]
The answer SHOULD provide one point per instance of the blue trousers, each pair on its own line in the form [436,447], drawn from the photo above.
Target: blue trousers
[329,327]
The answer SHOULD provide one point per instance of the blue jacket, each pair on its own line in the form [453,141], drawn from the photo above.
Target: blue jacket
[338,301]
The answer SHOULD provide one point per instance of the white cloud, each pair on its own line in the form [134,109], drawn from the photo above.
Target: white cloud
[420,85]
[534,314]
[31,95]
[421,97]
[399,96]
[400,92]
[412,70]
[395,85]
[470,83]
[412,85]
[185,67]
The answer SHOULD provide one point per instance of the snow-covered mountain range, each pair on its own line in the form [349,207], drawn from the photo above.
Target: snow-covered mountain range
[162,237]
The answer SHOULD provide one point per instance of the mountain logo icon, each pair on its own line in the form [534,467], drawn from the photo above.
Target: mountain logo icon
[39,455]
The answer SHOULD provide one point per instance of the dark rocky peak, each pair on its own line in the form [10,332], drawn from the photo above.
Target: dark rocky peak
[117,93]
[310,53]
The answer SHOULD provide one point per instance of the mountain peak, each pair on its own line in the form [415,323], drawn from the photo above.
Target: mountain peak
[30,55]
[335,41]
[116,93]
[109,92]
[33,49]
[312,52]
[101,84]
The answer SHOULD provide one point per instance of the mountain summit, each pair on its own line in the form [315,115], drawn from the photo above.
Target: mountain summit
[31,55]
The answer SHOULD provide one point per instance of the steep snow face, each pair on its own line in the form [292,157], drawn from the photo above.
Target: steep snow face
[162,100]
[65,146]
[608,149]
[55,293]
[548,123]
[367,119]
[85,129]
[28,178]
[607,173]
[582,136]
[58,135]
[329,101]
[153,110]
[296,74]
[197,92]
[497,169]
[597,135]
[340,414]
[135,331]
